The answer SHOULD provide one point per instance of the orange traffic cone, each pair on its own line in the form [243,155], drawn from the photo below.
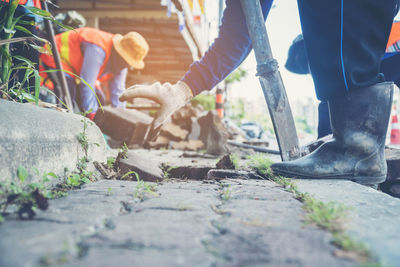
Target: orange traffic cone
[395,131]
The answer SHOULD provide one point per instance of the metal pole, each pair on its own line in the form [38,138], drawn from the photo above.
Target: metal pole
[64,87]
[255,148]
[271,82]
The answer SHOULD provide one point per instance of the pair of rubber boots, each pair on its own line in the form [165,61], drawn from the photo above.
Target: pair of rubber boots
[359,123]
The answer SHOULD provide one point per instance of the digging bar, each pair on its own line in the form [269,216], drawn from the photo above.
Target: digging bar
[64,87]
[271,82]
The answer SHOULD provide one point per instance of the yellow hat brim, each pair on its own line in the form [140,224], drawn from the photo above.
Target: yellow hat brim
[121,51]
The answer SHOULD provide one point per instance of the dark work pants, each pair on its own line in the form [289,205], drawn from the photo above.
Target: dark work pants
[390,67]
[345,41]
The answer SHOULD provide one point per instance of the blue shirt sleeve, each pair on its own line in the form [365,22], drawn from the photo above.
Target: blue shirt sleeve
[229,49]
[93,59]
[117,87]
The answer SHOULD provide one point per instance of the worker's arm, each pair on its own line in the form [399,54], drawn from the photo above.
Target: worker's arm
[117,87]
[93,59]
[229,49]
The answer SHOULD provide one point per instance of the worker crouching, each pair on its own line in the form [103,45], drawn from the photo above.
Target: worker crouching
[89,55]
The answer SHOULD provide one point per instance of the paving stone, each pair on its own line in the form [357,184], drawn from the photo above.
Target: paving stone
[173,132]
[43,139]
[191,145]
[143,165]
[126,125]
[160,142]
[189,172]
[184,224]
[213,133]
[374,217]
[225,163]
[195,130]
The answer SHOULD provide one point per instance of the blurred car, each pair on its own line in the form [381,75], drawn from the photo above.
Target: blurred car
[252,129]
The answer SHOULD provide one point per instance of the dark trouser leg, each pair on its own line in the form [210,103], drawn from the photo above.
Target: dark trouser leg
[324,124]
[390,67]
[345,51]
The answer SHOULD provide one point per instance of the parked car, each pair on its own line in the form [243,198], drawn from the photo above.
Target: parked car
[252,129]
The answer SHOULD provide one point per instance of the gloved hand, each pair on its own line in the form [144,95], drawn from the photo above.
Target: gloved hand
[170,97]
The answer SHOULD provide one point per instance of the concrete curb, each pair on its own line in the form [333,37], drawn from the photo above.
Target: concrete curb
[44,139]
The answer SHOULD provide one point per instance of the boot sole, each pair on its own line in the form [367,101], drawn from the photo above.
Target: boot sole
[364,180]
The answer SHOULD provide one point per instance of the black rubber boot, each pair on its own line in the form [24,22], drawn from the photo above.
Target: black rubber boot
[359,123]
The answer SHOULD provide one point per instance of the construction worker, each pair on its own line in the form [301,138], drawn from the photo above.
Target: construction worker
[297,62]
[95,55]
[345,41]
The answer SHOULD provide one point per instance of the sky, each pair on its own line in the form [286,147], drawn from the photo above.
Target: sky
[283,25]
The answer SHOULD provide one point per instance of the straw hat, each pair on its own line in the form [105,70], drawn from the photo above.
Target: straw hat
[132,47]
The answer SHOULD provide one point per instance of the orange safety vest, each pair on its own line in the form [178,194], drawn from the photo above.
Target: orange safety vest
[69,47]
[36,3]
[394,34]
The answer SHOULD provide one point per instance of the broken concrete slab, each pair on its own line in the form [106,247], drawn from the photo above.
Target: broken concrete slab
[43,139]
[188,172]
[191,145]
[374,217]
[173,132]
[160,142]
[146,168]
[225,163]
[213,133]
[195,130]
[126,125]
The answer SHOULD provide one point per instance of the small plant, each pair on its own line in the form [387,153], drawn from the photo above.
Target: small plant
[167,172]
[261,164]
[111,162]
[235,160]
[81,175]
[142,189]
[124,151]
[27,196]
[344,242]
[109,191]
[225,193]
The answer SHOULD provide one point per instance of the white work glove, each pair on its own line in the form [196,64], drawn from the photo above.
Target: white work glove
[170,97]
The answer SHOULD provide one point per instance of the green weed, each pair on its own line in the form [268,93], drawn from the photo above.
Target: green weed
[111,162]
[143,189]
[26,196]
[124,151]
[109,191]
[261,164]
[225,193]
[235,160]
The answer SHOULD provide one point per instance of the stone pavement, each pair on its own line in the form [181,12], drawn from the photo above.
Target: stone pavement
[374,217]
[193,223]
